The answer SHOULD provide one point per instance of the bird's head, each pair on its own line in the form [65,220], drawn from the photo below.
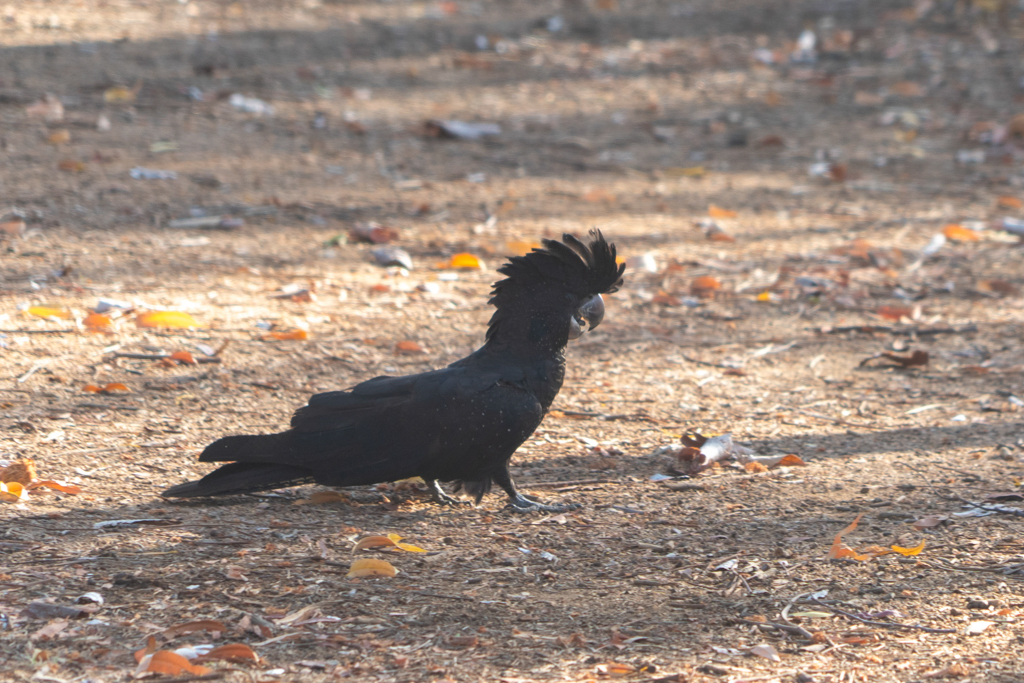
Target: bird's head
[553,294]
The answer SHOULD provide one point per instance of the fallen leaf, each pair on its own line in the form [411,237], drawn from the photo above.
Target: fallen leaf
[465,260]
[916,359]
[755,467]
[12,492]
[837,549]
[97,322]
[929,522]
[175,319]
[119,95]
[959,233]
[408,547]
[666,299]
[49,312]
[519,248]
[909,551]
[1009,203]
[408,348]
[56,486]
[791,460]
[235,573]
[614,669]
[239,653]
[365,567]
[463,641]
[71,165]
[718,212]
[183,357]
[59,137]
[50,630]
[998,287]
[291,335]
[322,497]
[374,542]
[705,285]
[684,172]
[956,670]
[193,627]
[895,312]
[978,627]
[907,89]
[372,233]
[598,196]
[767,651]
[169,663]
[20,472]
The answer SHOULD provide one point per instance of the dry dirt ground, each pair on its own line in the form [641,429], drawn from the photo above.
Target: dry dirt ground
[633,116]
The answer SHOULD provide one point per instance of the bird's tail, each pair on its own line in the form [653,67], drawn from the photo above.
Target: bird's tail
[247,474]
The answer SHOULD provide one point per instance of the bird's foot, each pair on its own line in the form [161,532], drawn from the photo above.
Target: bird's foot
[521,503]
[438,495]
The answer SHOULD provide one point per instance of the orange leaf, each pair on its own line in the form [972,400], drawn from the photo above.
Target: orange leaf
[234,652]
[718,212]
[71,165]
[12,492]
[49,312]
[369,567]
[837,550]
[666,299]
[115,386]
[92,388]
[148,650]
[97,322]
[791,461]
[1010,203]
[408,348]
[171,663]
[519,248]
[716,234]
[614,669]
[705,284]
[321,497]
[374,542]
[909,551]
[56,486]
[184,357]
[959,233]
[895,312]
[291,335]
[166,319]
[59,137]
[465,261]
[598,196]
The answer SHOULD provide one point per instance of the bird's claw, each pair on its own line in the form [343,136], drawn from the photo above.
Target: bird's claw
[524,504]
[441,498]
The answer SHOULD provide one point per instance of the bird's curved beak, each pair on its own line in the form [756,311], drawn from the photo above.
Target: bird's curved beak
[591,312]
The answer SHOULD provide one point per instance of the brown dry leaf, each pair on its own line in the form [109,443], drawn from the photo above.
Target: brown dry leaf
[907,89]
[49,312]
[958,233]
[465,261]
[373,233]
[193,627]
[50,630]
[184,357]
[719,212]
[464,641]
[666,299]
[175,319]
[614,670]
[918,358]
[408,348]
[998,287]
[322,497]
[169,663]
[20,471]
[366,567]
[520,248]
[1006,202]
[598,196]
[291,335]
[705,285]
[59,137]
[755,467]
[239,653]
[836,551]
[895,312]
[957,670]
[235,573]
[12,229]
[12,492]
[71,165]
[97,322]
[715,233]
[916,550]
[56,486]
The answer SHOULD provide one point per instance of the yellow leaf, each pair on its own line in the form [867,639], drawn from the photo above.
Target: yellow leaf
[12,492]
[408,547]
[369,567]
[718,212]
[118,95]
[166,319]
[321,497]
[520,248]
[909,551]
[465,261]
[375,542]
[292,335]
[49,312]
[97,322]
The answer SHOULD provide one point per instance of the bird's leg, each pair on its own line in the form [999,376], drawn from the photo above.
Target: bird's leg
[438,495]
[518,502]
